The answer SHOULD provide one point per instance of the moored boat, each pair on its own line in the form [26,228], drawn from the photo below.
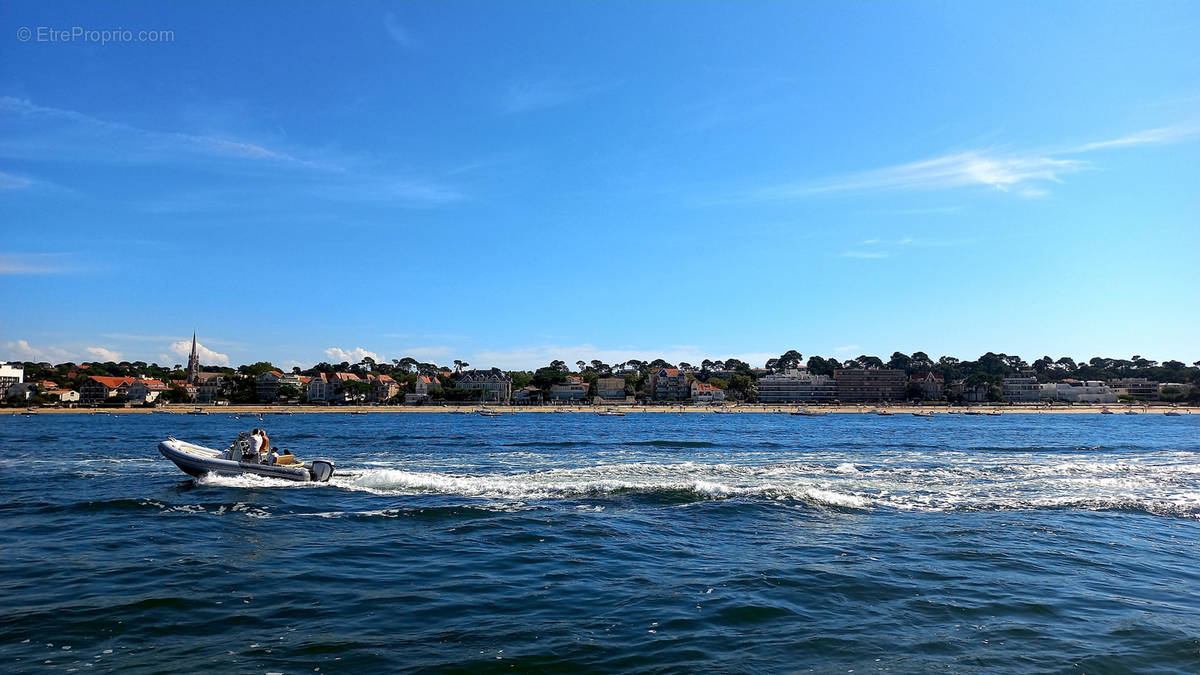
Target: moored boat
[197,460]
[197,411]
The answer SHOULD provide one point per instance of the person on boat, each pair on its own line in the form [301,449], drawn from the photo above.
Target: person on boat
[272,457]
[266,440]
[253,454]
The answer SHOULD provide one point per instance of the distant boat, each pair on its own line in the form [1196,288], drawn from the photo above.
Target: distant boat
[994,413]
[358,412]
[1131,412]
[1106,411]
[805,412]
[610,413]
[1172,413]
[922,414]
[882,413]
[972,412]
[723,411]
[489,413]
[197,411]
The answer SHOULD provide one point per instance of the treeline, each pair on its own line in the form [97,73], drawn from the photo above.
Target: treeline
[735,376]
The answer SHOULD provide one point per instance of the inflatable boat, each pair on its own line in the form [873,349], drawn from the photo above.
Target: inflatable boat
[197,460]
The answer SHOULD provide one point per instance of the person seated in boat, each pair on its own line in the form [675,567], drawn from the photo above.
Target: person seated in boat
[272,457]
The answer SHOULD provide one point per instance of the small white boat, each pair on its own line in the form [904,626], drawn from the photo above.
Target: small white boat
[994,413]
[882,413]
[805,412]
[723,411]
[197,411]
[489,413]
[610,413]
[197,460]
[1173,413]
[1106,411]
[922,414]
[1131,412]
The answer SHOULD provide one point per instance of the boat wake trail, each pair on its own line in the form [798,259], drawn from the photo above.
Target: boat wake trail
[1169,485]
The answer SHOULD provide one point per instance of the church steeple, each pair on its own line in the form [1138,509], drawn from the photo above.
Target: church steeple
[193,363]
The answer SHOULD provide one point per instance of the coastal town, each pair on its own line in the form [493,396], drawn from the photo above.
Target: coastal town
[787,380]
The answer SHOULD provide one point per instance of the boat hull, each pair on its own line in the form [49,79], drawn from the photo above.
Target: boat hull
[197,460]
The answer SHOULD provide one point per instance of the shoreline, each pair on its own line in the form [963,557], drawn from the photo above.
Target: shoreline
[588,409]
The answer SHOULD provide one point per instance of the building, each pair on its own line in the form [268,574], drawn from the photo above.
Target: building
[1137,387]
[669,384]
[10,374]
[100,389]
[574,389]
[383,388]
[529,396]
[340,393]
[266,387]
[209,387]
[932,385]
[21,390]
[193,369]
[318,388]
[145,391]
[423,389]
[1081,391]
[64,396]
[495,383]
[703,392]
[859,385]
[1023,390]
[796,385]
[611,388]
[192,391]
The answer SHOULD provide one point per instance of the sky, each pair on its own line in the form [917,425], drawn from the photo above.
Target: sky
[509,183]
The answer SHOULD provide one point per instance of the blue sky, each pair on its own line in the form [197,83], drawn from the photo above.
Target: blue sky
[508,183]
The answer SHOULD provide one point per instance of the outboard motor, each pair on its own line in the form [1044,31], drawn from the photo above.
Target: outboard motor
[321,470]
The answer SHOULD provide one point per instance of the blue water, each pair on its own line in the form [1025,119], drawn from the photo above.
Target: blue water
[566,543]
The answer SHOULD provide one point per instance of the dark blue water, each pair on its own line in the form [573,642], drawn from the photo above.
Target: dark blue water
[747,543]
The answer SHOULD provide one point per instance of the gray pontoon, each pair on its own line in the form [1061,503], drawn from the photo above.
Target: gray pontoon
[197,460]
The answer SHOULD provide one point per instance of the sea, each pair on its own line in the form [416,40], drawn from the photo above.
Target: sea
[746,543]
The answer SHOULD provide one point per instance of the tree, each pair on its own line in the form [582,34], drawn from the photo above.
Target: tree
[819,366]
[790,359]
[560,366]
[869,361]
[287,392]
[900,361]
[458,366]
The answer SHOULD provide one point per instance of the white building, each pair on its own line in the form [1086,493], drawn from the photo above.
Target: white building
[574,389]
[10,374]
[703,392]
[1024,390]
[1081,391]
[796,385]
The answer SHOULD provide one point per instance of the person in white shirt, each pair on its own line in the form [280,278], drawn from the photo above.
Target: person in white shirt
[272,457]
[256,444]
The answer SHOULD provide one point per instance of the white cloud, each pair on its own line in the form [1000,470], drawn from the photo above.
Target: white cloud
[1024,173]
[21,350]
[1161,135]
[39,263]
[183,348]
[11,182]
[963,169]
[97,137]
[872,255]
[104,354]
[337,355]
[529,95]
[397,32]
[846,349]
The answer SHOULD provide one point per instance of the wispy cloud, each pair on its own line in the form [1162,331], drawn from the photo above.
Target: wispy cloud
[868,255]
[976,168]
[102,140]
[1159,136]
[10,182]
[40,263]
[397,32]
[846,349]
[1026,174]
[529,95]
